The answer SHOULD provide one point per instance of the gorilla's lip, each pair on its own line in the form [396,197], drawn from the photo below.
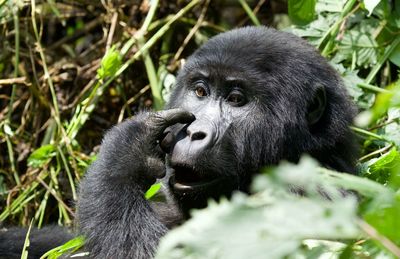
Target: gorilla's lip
[186,179]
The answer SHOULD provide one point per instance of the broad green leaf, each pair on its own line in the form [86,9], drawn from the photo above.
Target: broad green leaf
[41,155]
[259,226]
[380,169]
[370,5]
[301,11]
[384,214]
[360,46]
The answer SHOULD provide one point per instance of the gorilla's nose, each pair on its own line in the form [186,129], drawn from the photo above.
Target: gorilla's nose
[196,135]
[200,134]
[192,142]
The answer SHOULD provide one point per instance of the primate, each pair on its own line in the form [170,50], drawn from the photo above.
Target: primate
[247,98]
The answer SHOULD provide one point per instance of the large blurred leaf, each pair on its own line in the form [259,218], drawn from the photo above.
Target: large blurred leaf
[384,215]
[264,225]
[301,11]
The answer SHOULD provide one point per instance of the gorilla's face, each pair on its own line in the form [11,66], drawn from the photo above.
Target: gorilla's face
[218,152]
[205,153]
[258,97]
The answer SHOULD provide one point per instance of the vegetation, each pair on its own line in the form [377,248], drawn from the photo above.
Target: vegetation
[71,69]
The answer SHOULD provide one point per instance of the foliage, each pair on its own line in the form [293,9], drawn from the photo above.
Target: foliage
[273,223]
[69,247]
[71,69]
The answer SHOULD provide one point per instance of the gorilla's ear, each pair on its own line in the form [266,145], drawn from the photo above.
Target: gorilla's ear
[317,105]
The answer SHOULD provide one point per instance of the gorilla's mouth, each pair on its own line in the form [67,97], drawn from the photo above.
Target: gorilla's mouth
[186,179]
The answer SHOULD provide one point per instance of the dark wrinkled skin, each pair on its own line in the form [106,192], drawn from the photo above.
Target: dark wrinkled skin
[264,96]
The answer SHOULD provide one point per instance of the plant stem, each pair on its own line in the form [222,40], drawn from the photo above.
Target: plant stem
[373,88]
[148,62]
[249,12]
[12,97]
[382,60]
[369,134]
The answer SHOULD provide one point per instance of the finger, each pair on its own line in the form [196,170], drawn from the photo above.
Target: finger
[155,168]
[174,116]
[163,119]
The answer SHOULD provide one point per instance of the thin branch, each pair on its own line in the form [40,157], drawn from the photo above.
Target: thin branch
[374,234]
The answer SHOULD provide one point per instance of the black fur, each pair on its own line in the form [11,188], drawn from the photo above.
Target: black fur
[12,241]
[248,98]
[280,76]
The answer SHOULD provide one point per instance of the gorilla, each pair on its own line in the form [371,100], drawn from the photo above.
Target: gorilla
[247,98]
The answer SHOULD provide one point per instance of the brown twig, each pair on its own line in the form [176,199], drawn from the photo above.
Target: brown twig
[52,192]
[114,21]
[16,80]
[190,35]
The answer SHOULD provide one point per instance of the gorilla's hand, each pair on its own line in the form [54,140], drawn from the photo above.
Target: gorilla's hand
[132,149]
[145,142]
[112,212]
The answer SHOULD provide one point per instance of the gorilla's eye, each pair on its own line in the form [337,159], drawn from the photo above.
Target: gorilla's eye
[200,91]
[236,98]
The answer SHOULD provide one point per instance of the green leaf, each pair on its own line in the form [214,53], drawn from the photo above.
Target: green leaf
[152,190]
[395,56]
[69,247]
[301,11]
[392,130]
[8,130]
[25,249]
[264,225]
[384,214]
[351,79]
[332,6]
[360,46]
[110,63]
[380,169]
[41,155]
[370,5]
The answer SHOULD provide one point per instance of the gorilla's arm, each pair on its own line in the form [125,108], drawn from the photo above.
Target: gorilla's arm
[113,214]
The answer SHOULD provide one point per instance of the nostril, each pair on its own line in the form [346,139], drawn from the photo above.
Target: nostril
[198,135]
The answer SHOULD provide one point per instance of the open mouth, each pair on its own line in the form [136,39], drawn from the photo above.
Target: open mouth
[186,179]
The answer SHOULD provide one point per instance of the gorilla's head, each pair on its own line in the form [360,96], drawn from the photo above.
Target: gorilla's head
[259,96]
